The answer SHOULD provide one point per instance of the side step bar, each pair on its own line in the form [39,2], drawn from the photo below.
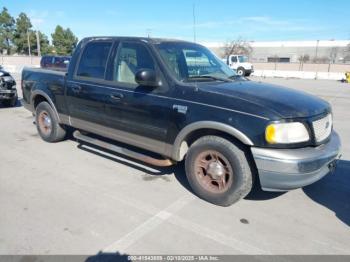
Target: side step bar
[123,151]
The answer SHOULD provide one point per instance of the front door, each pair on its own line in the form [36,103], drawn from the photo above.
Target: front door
[139,113]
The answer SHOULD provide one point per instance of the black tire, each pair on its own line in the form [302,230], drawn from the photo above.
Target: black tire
[247,74]
[56,132]
[234,155]
[241,71]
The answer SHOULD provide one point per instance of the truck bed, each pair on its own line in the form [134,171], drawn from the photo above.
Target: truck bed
[50,81]
[45,70]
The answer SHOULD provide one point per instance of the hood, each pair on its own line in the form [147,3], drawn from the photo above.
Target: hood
[246,65]
[4,73]
[284,102]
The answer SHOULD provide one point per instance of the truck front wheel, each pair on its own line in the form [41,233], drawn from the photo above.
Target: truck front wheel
[218,170]
[47,124]
[241,71]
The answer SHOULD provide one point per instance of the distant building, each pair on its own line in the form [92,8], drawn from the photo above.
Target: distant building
[323,51]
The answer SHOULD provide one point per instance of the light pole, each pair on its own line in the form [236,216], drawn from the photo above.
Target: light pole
[149,32]
[316,53]
[194,22]
[38,42]
[316,58]
[28,42]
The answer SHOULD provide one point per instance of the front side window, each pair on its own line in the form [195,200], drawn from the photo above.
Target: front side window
[234,59]
[188,61]
[197,62]
[94,59]
[243,59]
[131,58]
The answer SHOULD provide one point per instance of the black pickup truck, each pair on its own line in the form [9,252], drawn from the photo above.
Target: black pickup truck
[178,101]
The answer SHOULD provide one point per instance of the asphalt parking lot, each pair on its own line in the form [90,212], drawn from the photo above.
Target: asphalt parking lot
[66,199]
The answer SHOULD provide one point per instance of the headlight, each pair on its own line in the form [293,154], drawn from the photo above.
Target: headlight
[286,133]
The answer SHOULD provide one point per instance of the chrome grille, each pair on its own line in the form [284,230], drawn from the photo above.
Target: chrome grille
[322,128]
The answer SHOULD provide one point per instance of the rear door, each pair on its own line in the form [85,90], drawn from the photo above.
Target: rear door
[86,95]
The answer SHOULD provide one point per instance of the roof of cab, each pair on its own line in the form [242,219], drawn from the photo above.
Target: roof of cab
[133,38]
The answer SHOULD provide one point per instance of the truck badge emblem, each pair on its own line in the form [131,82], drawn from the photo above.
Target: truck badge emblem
[181,109]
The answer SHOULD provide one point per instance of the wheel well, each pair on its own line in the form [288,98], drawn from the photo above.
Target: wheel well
[38,99]
[195,135]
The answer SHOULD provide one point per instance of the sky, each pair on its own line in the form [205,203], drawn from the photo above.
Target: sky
[215,20]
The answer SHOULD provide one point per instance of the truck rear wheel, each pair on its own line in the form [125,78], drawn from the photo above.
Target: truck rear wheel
[218,170]
[47,124]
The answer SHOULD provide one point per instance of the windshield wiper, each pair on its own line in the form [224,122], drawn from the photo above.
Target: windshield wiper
[214,78]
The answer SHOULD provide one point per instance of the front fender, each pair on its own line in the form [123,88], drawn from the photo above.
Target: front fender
[180,149]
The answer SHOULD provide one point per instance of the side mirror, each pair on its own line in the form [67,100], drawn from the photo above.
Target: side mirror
[147,77]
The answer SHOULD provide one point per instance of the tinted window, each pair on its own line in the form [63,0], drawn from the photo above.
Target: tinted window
[93,60]
[173,61]
[234,59]
[58,61]
[46,61]
[131,58]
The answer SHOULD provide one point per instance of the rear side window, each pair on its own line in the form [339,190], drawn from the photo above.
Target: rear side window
[94,59]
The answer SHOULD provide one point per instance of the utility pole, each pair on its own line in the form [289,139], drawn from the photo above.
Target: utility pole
[317,43]
[38,42]
[194,22]
[316,59]
[149,32]
[28,42]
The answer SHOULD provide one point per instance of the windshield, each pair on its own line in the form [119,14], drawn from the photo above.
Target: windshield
[242,59]
[190,62]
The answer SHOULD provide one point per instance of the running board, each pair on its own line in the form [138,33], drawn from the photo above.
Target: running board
[123,151]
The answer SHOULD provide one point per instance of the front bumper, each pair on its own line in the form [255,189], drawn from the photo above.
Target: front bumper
[287,169]
[249,71]
[8,94]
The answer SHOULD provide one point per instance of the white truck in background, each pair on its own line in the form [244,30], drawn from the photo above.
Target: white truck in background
[240,64]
